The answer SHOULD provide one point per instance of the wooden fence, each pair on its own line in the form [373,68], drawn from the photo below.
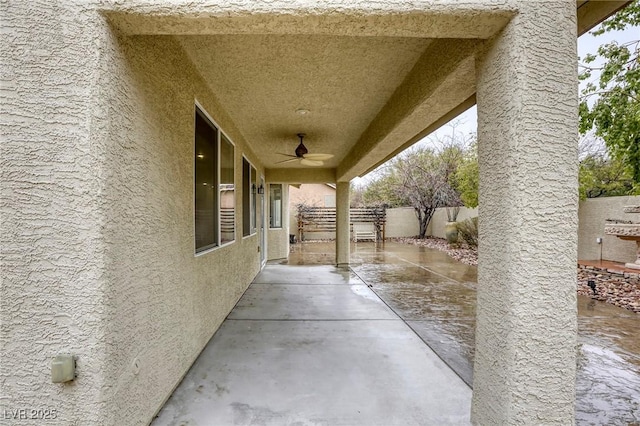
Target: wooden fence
[323,219]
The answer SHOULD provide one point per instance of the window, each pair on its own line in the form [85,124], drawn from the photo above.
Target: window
[249,190]
[206,183]
[254,191]
[214,192]
[227,191]
[275,205]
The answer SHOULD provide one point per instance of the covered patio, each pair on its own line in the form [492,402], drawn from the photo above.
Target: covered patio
[150,144]
[313,344]
[379,343]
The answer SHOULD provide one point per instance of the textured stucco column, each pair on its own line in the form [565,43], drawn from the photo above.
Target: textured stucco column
[525,356]
[52,262]
[342,224]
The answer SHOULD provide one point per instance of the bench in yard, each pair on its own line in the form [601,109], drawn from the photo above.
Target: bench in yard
[364,231]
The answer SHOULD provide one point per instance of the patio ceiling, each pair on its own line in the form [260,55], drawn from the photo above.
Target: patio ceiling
[263,80]
[364,97]
[373,81]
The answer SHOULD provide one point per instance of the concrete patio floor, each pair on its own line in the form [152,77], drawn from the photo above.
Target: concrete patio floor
[314,345]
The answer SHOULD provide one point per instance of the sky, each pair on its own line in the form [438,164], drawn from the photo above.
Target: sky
[466,123]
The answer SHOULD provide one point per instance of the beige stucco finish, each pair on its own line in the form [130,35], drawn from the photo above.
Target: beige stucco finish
[524,370]
[343,236]
[164,303]
[97,222]
[371,75]
[401,222]
[54,255]
[440,218]
[97,177]
[593,215]
[312,194]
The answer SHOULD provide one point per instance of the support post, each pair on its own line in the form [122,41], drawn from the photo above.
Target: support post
[342,224]
[525,356]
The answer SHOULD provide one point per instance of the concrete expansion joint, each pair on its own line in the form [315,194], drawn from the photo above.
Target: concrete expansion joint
[446,361]
[313,319]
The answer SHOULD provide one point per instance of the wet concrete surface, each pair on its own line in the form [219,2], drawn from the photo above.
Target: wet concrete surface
[608,383]
[435,295]
[295,301]
[315,345]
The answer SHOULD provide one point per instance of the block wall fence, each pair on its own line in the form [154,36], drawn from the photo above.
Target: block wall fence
[402,222]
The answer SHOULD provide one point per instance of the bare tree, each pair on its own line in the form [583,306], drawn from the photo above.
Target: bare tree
[422,178]
[356,198]
[425,181]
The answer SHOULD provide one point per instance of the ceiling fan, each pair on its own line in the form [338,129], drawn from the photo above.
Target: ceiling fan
[303,156]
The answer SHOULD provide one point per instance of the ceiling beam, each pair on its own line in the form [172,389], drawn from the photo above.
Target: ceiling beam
[592,12]
[589,14]
[301,175]
[468,103]
[441,79]
[391,18]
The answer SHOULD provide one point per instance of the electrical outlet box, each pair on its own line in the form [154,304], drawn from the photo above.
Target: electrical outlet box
[63,369]
[599,240]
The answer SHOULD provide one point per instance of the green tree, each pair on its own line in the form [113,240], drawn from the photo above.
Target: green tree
[382,190]
[614,111]
[603,177]
[467,177]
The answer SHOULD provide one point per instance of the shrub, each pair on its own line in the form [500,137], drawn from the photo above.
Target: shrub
[468,231]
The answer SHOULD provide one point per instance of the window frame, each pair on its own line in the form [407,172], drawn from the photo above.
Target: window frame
[254,199]
[251,189]
[199,109]
[235,204]
[281,206]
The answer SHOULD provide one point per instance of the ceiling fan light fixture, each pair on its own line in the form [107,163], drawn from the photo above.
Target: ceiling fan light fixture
[302,111]
[301,150]
[303,156]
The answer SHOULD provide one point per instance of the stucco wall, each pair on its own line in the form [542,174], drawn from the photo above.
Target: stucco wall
[592,215]
[97,227]
[525,360]
[311,194]
[439,219]
[401,222]
[163,303]
[53,249]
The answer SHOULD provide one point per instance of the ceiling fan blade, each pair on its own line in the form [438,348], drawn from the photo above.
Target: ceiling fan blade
[312,163]
[318,156]
[288,155]
[288,160]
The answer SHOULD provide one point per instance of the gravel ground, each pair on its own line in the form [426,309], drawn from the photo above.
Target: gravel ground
[621,290]
[460,252]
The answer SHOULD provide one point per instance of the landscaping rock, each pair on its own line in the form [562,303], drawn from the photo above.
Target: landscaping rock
[460,252]
[612,286]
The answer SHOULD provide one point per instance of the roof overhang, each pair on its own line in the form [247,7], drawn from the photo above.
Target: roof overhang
[374,77]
